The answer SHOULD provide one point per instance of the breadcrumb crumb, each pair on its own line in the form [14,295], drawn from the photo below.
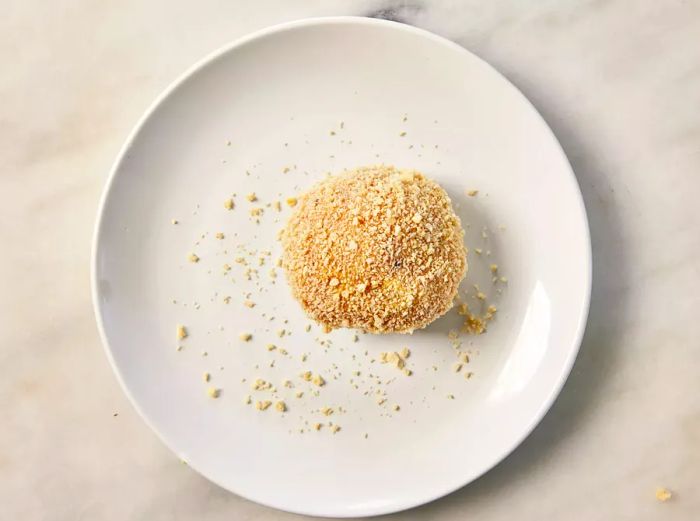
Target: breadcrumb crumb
[181,332]
[663,494]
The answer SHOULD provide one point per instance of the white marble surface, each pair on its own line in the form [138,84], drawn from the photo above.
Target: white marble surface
[619,82]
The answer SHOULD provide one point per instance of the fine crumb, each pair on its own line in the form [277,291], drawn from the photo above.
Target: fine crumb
[472,193]
[663,494]
[271,347]
[326,411]
[245,337]
[251,197]
[291,201]
[396,407]
[450,396]
[277,206]
[247,400]
[318,380]
[493,268]
[193,257]
[219,235]
[335,428]
[402,134]
[262,404]
[181,332]
[317,426]
[206,377]
[249,304]
[174,221]
[213,392]
[281,406]
[228,204]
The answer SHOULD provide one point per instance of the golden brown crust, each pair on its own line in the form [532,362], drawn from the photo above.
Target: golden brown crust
[376,248]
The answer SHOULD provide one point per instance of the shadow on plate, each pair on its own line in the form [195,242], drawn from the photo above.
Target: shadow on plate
[594,368]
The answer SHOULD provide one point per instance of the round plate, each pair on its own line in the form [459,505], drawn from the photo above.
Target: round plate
[271,114]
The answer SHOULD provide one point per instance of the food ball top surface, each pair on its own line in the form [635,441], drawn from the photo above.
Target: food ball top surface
[376,248]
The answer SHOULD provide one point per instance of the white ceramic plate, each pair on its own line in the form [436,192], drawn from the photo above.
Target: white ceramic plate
[277,96]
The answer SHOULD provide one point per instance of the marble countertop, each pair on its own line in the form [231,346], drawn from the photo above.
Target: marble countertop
[619,83]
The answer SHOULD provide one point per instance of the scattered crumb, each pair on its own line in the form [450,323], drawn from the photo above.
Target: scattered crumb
[450,396]
[291,201]
[213,392]
[335,428]
[402,134]
[281,406]
[228,204]
[396,407]
[245,337]
[251,197]
[472,193]
[493,268]
[249,304]
[181,332]
[206,377]
[174,221]
[318,380]
[663,494]
[193,257]
[219,235]
[262,405]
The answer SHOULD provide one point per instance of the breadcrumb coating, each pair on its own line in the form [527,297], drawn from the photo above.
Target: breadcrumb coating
[376,248]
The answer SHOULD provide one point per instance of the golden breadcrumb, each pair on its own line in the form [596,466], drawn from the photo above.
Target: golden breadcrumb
[663,494]
[376,248]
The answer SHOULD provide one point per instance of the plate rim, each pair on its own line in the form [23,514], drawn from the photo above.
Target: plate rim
[545,406]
